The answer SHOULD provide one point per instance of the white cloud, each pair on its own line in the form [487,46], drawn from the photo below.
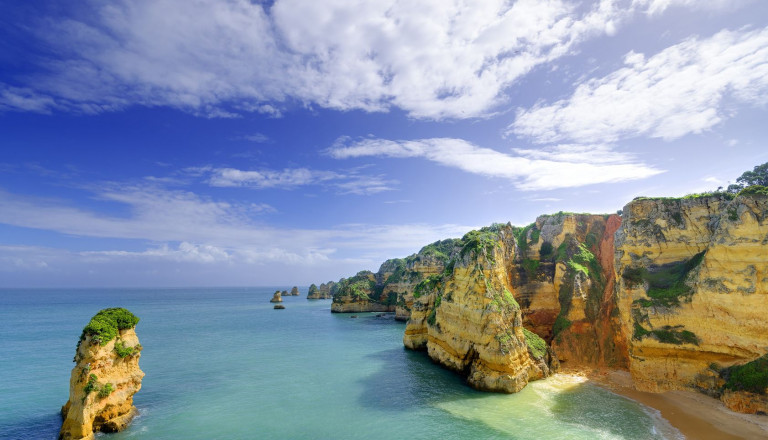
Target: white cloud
[434,59]
[681,90]
[206,230]
[558,167]
[351,182]
[655,7]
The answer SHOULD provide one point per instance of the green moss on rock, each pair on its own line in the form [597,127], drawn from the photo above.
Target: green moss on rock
[105,325]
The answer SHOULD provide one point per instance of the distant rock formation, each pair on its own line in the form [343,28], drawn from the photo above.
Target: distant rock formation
[279,307]
[284,293]
[295,291]
[277,297]
[105,377]
[325,291]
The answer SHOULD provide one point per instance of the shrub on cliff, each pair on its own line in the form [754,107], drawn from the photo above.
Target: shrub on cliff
[105,325]
[752,376]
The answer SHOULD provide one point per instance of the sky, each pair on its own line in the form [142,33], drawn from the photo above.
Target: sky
[245,143]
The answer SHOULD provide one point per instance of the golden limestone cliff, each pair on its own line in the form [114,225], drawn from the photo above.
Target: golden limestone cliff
[675,291]
[692,287]
[105,377]
[467,319]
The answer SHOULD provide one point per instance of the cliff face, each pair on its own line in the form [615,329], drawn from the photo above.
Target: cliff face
[105,377]
[692,286]
[467,319]
[564,280]
[325,291]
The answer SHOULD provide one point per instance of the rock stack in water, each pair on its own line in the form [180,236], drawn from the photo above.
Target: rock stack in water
[277,297]
[295,291]
[105,377]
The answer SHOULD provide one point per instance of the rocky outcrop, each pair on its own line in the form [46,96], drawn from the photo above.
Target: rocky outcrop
[467,319]
[325,291]
[692,286]
[391,288]
[105,377]
[277,297]
[294,291]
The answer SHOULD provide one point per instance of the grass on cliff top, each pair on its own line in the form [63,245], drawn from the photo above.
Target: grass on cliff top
[481,241]
[752,376]
[536,346]
[726,195]
[105,325]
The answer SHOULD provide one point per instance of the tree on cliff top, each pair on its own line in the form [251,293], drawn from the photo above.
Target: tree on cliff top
[758,176]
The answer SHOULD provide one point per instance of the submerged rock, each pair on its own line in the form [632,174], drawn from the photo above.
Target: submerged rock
[279,307]
[105,377]
[277,297]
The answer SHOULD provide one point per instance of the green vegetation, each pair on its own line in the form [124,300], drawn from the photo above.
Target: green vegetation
[427,285]
[546,250]
[755,190]
[757,177]
[360,287]
[733,214]
[105,325]
[124,351]
[521,237]
[503,302]
[536,346]
[312,290]
[531,266]
[481,241]
[666,284]
[561,323]
[92,385]
[752,376]
[666,334]
[106,390]
[535,234]
[441,249]
[584,261]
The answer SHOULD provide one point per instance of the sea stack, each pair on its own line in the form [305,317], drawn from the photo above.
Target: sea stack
[295,291]
[105,377]
[277,297]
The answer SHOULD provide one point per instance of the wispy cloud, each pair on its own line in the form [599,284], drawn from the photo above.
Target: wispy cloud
[195,228]
[681,90]
[215,58]
[655,7]
[348,182]
[557,167]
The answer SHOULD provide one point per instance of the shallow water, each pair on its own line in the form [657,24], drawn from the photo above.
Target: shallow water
[221,363]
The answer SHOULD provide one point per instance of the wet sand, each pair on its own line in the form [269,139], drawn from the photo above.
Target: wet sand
[696,416]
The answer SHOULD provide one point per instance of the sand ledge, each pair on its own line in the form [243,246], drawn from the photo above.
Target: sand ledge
[695,415]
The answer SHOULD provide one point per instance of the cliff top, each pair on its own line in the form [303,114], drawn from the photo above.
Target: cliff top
[105,325]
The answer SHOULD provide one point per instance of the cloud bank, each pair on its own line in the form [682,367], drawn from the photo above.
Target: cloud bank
[562,166]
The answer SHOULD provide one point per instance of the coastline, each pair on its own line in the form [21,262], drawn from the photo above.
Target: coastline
[695,415]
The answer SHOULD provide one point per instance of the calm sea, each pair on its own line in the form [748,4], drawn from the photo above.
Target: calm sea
[222,364]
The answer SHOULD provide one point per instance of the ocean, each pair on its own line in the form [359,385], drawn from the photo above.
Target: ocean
[221,363]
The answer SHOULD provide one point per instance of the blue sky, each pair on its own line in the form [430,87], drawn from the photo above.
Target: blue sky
[228,142]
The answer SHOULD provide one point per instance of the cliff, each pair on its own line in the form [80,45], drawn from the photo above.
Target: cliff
[467,319]
[105,377]
[674,291]
[693,291]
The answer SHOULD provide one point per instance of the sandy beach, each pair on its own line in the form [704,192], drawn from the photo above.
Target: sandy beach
[696,416]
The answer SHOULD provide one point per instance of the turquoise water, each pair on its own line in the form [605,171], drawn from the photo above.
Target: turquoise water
[222,364]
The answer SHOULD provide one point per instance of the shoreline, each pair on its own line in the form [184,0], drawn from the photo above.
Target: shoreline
[695,415]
